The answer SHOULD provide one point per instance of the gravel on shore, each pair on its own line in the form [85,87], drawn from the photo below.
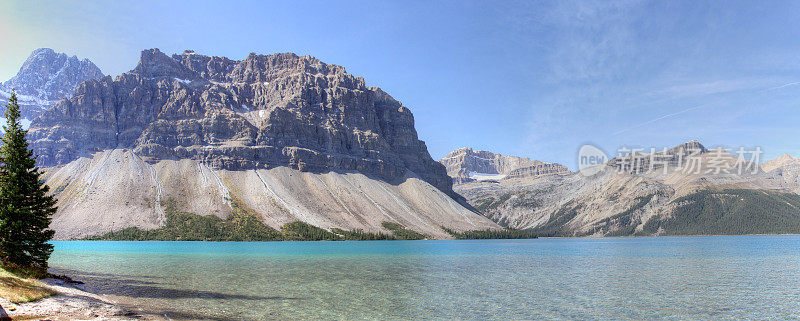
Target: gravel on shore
[71,303]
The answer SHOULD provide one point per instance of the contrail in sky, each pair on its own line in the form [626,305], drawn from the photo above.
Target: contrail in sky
[660,118]
[693,108]
[783,86]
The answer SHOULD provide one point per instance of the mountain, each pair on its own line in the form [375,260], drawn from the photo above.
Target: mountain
[784,161]
[786,170]
[117,189]
[690,196]
[44,78]
[289,137]
[639,162]
[261,112]
[467,165]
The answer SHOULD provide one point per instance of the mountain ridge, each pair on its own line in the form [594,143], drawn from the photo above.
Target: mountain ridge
[297,139]
[466,165]
[290,138]
[266,110]
[639,199]
[45,77]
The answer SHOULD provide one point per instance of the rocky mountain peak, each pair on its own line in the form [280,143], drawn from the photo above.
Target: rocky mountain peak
[466,165]
[153,63]
[261,112]
[639,162]
[784,161]
[45,77]
[688,147]
[459,151]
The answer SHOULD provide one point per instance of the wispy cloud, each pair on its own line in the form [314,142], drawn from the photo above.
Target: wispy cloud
[594,40]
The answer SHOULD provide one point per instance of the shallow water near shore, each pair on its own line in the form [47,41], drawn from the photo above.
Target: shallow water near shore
[719,277]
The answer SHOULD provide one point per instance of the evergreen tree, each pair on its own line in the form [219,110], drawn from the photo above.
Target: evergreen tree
[25,207]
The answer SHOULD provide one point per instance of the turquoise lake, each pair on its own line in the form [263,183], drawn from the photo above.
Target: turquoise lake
[675,278]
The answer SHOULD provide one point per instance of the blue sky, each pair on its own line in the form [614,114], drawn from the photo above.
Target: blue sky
[534,79]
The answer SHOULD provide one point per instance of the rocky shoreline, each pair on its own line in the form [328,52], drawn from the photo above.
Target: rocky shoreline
[73,303]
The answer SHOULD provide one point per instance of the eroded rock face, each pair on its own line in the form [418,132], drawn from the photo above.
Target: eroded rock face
[467,165]
[46,77]
[261,112]
[537,170]
[117,189]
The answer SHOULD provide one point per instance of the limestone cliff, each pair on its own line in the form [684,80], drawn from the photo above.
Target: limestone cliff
[262,112]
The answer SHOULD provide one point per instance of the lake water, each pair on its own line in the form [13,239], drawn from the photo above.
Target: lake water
[718,277]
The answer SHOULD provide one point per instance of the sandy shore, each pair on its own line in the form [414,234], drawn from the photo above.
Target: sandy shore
[72,303]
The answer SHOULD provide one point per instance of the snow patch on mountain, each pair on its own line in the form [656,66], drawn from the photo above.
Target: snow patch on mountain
[486,177]
[46,77]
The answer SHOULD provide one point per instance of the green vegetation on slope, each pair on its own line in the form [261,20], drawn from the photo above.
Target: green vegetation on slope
[492,234]
[245,225]
[401,232]
[359,235]
[19,289]
[301,231]
[731,211]
[242,225]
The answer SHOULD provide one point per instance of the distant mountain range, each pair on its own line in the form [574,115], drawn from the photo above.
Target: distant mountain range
[44,78]
[282,138]
[639,198]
